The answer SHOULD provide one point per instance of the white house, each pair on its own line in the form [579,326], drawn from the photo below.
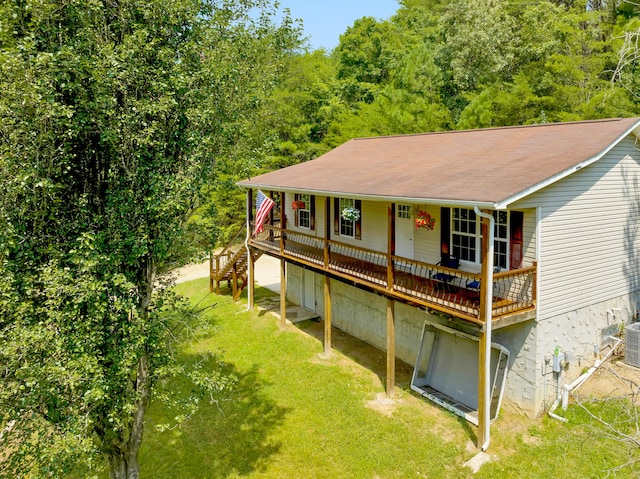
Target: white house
[402,268]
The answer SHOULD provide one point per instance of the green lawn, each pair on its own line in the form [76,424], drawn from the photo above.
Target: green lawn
[297,415]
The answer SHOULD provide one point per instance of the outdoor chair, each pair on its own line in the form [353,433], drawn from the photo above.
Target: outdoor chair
[474,285]
[447,261]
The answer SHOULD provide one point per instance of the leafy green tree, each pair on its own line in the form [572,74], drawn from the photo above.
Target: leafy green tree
[477,45]
[576,75]
[113,116]
[299,111]
[363,56]
[412,102]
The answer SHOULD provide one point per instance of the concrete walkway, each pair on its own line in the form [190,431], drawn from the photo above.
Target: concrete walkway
[267,275]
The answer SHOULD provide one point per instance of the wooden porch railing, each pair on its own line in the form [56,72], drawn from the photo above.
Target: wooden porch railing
[445,289]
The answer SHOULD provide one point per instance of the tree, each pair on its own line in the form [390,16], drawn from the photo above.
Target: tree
[478,43]
[113,116]
[576,74]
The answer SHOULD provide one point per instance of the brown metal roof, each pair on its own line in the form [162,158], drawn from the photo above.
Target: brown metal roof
[487,166]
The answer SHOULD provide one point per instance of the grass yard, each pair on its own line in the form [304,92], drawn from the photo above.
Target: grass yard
[296,415]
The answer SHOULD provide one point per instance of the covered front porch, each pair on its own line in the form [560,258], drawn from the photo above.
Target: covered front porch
[448,290]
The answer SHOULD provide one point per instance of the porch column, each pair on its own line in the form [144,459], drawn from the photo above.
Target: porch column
[250,264]
[283,221]
[482,345]
[391,348]
[327,317]
[391,242]
[283,293]
[327,231]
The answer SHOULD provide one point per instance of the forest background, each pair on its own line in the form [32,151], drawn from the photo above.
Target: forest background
[433,66]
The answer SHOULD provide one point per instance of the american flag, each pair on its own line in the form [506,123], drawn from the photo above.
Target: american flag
[263,206]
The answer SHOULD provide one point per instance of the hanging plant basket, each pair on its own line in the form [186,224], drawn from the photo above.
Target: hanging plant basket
[350,214]
[298,205]
[425,220]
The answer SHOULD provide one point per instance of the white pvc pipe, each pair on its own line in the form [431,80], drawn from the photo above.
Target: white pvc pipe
[578,382]
[553,408]
[249,262]
[567,388]
[488,304]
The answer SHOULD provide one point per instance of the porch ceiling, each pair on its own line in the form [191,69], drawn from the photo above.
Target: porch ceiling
[489,166]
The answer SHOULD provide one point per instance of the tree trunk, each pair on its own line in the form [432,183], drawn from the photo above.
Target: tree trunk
[123,462]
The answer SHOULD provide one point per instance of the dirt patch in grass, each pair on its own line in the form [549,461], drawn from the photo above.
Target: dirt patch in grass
[613,379]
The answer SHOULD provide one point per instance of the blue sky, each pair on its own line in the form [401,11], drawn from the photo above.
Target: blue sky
[325,20]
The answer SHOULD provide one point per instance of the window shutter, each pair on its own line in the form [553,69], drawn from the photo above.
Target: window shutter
[516,240]
[312,212]
[336,216]
[296,197]
[445,231]
[358,225]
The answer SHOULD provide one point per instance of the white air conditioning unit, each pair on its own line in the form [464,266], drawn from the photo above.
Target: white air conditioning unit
[632,345]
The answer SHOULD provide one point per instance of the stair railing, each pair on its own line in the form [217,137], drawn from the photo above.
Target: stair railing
[222,259]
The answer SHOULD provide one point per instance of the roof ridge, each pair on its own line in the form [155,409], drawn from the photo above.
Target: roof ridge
[495,128]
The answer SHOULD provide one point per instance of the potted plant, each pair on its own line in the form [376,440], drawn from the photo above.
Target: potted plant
[298,205]
[425,220]
[350,214]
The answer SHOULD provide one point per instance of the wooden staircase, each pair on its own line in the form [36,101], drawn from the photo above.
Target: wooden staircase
[231,265]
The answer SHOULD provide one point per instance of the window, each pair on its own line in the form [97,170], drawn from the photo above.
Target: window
[466,236]
[347,227]
[404,211]
[350,227]
[304,214]
[501,239]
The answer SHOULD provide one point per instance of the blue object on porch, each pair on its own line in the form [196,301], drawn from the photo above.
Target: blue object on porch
[475,284]
[447,261]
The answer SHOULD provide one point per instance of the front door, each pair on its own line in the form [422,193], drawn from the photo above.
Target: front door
[404,231]
[309,293]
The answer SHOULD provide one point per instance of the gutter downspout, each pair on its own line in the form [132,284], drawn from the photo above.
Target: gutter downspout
[488,304]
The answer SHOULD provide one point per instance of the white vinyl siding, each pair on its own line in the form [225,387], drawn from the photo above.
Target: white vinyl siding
[319,216]
[529,255]
[427,242]
[589,234]
[374,221]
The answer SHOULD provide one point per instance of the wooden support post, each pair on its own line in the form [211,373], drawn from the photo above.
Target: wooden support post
[482,345]
[234,282]
[327,317]
[283,293]
[391,348]
[211,281]
[252,274]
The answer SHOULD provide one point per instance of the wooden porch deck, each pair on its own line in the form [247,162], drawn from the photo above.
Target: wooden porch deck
[447,290]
